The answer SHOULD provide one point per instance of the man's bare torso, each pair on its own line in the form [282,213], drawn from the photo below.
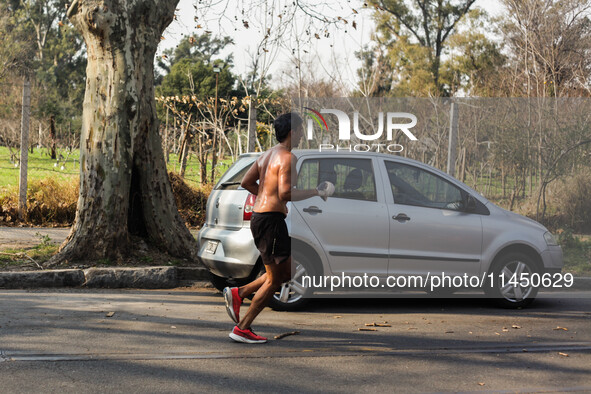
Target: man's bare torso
[274,167]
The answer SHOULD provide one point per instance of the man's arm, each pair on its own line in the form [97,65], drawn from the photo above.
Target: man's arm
[286,191]
[249,182]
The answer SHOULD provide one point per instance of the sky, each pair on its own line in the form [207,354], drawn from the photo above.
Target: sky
[331,57]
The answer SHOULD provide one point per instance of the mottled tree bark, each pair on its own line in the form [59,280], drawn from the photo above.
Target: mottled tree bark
[124,186]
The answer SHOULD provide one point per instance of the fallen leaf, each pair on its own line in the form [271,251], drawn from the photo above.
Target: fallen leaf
[337,317]
[172,327]
[563,354]
[560,328]
[286,334]
[449,332]
[515,326]
[497,333]
[110,314]
[480,383]
[367,329]
[505,330]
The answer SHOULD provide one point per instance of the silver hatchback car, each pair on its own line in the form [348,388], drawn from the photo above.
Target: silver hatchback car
[389,217]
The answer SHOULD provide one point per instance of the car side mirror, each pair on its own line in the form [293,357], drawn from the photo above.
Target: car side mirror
[470,204]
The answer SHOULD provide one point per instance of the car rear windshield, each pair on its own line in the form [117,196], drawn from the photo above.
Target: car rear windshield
[232,178]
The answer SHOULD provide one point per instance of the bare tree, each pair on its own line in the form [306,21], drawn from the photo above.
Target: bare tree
[549,44]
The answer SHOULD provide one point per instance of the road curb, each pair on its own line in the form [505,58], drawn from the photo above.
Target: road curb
[581,283]
[33,279]
[137,278]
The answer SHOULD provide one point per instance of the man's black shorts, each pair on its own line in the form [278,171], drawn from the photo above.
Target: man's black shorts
[271,236]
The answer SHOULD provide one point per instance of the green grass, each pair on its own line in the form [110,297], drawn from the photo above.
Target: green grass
[193,170]
[41,166]
[17,257]
[577,253]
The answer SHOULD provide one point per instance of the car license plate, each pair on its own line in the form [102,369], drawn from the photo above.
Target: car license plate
[211,247]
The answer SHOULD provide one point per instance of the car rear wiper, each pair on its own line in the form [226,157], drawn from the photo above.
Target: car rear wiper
[226,184]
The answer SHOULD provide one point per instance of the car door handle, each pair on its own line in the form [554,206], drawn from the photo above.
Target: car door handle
[312,210]
[401,216]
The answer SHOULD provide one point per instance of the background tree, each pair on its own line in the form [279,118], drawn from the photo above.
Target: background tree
[191,73]
[200,48]
[15,46]
[375,74]
[43,42]
[416,34]
[549,47]
[475,62]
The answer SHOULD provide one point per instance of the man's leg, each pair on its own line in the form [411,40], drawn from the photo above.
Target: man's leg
[276,274]
[251,287]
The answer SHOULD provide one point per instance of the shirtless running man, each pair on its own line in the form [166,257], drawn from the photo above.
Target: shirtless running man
[272,170]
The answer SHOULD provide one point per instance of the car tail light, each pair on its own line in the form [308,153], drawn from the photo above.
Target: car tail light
[249,206]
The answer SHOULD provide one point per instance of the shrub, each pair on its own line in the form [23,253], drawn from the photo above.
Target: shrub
[53,202]
[575,202]
[49,201]
[191,202]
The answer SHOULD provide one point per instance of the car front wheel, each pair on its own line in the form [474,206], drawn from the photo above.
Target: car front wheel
[512,286]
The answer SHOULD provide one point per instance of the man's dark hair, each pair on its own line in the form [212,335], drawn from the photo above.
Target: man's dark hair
[283,124]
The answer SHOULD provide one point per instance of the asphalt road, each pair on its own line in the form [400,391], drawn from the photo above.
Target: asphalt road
[31,236]
[177,341]
[19,237]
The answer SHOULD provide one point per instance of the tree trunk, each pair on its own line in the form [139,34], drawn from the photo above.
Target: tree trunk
[52,136]
[166,137]
[124,185]
[184,150]
[252,126]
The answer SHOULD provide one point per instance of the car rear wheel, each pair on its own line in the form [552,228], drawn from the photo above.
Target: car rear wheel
[220,282]
[512,281]
[294,294]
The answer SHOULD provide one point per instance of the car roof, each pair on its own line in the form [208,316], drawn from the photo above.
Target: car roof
[306,152]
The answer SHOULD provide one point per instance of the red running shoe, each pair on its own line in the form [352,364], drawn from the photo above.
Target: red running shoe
[246,336]
[233,302]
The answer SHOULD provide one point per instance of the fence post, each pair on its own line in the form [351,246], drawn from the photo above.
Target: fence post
[453,139]
[24,160]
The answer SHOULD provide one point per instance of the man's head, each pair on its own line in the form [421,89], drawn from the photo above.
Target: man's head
[285,123]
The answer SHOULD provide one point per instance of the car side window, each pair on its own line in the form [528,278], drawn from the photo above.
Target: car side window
[414,186]
[353,178]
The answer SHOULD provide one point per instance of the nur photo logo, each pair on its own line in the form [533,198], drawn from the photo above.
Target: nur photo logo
[389,124]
